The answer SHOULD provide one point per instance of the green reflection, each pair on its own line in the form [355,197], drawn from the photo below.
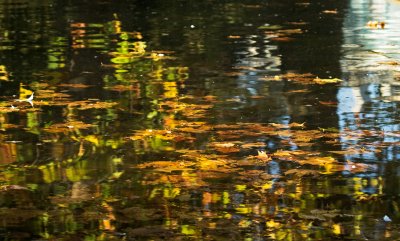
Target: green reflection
[124,141]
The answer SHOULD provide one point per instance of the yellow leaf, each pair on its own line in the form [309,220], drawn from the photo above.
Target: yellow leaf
[267,185]
[225,198]
[116,175]
[24,93]
[3,73]
[188,230]
[93,139]
[240,187]
[243,209]
[244,223]
[107,225]
[171,90]
[336,229]
[272,224]
[263,156]
[327,81]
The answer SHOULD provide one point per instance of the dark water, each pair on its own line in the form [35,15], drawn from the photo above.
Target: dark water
[199,120]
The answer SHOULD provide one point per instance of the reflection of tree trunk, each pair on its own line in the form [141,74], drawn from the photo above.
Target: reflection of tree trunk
[7,153]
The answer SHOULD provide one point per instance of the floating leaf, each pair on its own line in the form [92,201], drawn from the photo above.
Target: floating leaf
[328,103]
[282,39]
[330,11]
[167,166]
[376,24]
[302,172]
[320,161]
[121,88]
[270,27]
[97,105]
[327,81]
[395,63]
[75,86]
[234,37]
[67,126]
[294,124]
[263,156]
[253,145]
[272,224]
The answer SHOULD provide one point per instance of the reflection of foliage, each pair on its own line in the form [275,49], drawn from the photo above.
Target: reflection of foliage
[75,137]
[4,75]
[128,155]
[215,164]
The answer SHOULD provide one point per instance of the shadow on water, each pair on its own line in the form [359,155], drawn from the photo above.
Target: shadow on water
[207,120]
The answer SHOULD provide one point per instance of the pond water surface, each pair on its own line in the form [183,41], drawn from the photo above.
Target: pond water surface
[199,120]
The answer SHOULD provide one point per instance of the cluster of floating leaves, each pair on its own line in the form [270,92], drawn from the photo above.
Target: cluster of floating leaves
[191,177]
[281,35]
[304,78]
[219,162]
[238,154]
[231,143]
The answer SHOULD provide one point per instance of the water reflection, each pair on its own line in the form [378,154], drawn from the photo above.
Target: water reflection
[367,108]
[368,51]
[179,122]
[365,102]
